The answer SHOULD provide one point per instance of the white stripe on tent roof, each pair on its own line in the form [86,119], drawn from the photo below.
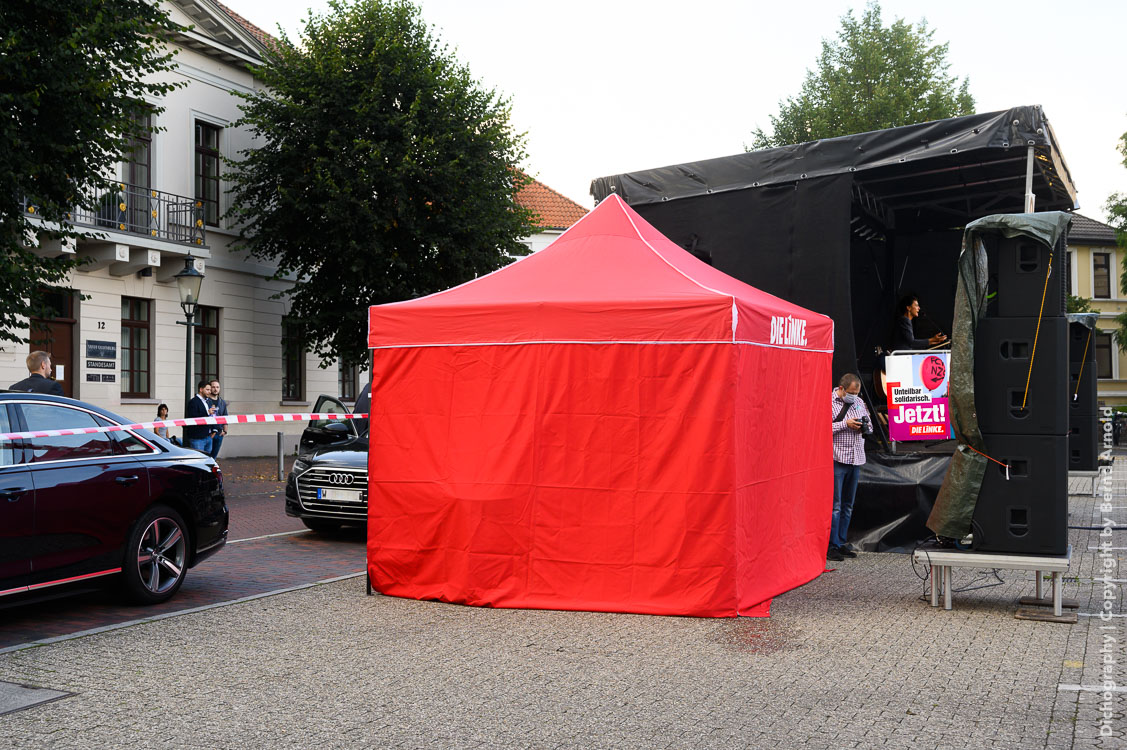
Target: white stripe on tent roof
[464,283]
[559,239]
[564,341]
[478,278]
[664,260]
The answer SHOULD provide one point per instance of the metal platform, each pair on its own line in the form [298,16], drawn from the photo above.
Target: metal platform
[941,561]
[1083,482]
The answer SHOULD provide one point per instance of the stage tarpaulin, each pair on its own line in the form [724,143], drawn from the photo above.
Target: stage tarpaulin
[609,424]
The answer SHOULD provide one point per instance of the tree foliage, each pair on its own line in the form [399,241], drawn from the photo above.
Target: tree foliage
[1117,218]
[872,77]
[382,171]
[74,75]
[1076,304]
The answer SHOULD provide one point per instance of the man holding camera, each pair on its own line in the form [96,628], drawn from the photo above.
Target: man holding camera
[850,425]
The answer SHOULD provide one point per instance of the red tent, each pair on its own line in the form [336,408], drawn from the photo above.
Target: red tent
[608,424]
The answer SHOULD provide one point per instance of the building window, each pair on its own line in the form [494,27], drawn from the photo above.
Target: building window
[135,348]
[207,343]
[293,364]
[139,167]
[138,174]
[1104,352]
[207,170]
[347,378]
[1101,275]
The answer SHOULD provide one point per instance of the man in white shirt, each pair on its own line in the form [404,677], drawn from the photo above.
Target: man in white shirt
[849,456]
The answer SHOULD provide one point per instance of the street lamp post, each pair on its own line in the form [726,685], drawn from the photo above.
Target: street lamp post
[188,282]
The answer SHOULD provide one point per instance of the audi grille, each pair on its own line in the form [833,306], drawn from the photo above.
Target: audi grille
[328,491]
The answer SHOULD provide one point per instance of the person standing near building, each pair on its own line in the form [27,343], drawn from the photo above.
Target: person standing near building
[39,379]
[220,430]
[198,437]
[850,418]
[162,414]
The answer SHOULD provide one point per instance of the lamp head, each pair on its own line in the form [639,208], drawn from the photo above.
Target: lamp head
[188,283]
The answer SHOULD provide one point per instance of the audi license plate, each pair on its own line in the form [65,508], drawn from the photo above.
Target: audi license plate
[344,496]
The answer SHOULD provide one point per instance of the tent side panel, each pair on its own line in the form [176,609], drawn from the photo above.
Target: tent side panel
[784,470]
[587,477]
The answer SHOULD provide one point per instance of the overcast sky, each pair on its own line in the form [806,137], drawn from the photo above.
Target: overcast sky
[616,86]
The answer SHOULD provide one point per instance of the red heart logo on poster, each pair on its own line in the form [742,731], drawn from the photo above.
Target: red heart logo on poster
[933,372]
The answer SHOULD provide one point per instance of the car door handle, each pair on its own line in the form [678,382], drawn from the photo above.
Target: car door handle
[12,494]
[127,480]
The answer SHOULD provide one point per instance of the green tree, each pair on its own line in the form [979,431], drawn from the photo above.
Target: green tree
[382,171]
[872,77]
[74,76]
[1078,304]
[1117,218]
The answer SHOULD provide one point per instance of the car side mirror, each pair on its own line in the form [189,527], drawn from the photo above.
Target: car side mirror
[338,428]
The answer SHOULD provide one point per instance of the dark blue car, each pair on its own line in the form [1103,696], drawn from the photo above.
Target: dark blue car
[126,504]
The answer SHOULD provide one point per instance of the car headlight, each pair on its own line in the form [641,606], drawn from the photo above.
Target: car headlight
[299,467]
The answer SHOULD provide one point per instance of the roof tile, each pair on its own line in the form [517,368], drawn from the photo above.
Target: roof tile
[1085,230]
[553,210]
[266,40]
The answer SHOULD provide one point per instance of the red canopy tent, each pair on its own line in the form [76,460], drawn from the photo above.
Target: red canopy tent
[609,424]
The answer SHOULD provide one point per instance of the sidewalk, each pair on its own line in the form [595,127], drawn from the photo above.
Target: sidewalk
[856,658]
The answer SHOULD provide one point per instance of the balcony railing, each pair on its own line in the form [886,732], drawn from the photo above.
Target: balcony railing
[142,211]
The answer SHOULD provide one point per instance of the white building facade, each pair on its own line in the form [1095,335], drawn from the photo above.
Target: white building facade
[115,341]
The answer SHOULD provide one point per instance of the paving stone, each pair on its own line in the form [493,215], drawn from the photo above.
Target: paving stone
[853,659]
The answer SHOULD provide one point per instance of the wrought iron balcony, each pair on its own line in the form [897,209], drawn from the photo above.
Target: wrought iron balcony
[142,211]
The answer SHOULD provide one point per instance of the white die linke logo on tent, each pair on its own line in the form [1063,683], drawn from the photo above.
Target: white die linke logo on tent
[342,479]
[788,331]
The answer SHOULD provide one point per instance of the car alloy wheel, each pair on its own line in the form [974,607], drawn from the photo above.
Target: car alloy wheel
[157,556]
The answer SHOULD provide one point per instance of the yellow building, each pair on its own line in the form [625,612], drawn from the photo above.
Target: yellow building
[1094,267]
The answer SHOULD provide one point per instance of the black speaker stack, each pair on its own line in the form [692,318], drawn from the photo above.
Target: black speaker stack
[1083,416]
[1023,413]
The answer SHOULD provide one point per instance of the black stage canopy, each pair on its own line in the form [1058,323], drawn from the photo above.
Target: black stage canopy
[845,226]
[933,173]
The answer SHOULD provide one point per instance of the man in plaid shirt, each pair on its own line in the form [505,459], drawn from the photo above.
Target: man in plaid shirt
[849,455]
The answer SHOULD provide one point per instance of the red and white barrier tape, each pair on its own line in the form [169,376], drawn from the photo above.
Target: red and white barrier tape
[190,421]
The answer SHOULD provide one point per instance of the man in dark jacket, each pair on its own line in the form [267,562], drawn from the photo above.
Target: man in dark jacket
[198,437]
[39,365]
[905,334]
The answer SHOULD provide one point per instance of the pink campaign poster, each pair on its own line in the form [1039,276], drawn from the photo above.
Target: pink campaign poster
[917,396]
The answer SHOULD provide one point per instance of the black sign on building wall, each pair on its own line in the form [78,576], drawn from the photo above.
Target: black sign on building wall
[101,349]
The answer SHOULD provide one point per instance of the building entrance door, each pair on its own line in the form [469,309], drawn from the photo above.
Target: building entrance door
[55,335]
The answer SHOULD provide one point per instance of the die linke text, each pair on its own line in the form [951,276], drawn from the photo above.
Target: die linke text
[788,331]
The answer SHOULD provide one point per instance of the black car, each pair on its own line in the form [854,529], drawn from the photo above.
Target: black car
[79,508]
[328,484]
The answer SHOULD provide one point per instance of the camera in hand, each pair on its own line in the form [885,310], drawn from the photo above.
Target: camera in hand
[866,428]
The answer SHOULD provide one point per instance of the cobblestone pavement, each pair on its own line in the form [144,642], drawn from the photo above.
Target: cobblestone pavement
[855,659]
[247,566]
